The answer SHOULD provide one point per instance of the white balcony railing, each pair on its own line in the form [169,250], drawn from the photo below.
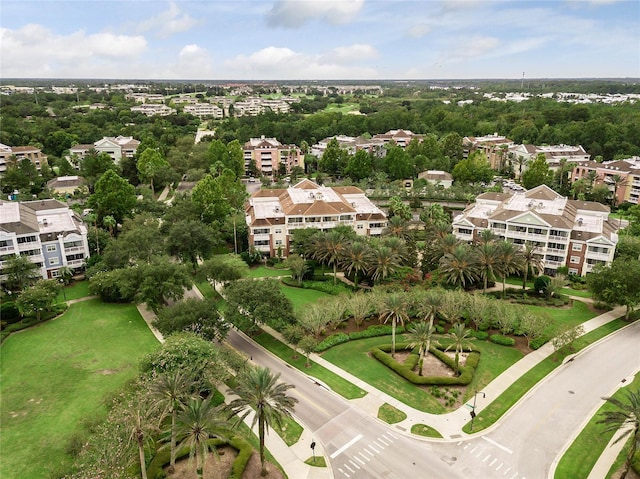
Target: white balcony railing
[556,251]
[594,255]
[558,238]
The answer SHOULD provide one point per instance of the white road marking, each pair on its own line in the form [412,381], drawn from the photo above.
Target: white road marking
[466,446]
[385,436]
[354,464]
[506,471]
[381,447]
[359,460]
[486,457]
[346,446]
[350,470]
[498,445]
[480,453]
[515,474]
[383,441]
[500,466]
[392,435]
[343,472]
[374,449]
[493,462]
[474,449]
[368,452]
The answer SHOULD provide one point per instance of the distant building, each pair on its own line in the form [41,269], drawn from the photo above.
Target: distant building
[494,147]
[48,232]
[31,153]
[554,154]
[153,109]
[351,144]
[268,154]
[204,110]
[576,234]
[401,138]
[272,215]
[437,177]
[628,171]
[66,185]
[117,148]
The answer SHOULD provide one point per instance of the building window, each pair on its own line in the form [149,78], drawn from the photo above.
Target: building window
[360,227]
[573,271]
[576,247]
[51,248]
[278,242]
[278,232]
[54,261]
[27,239]
[261,231]
[55,274]
[575,259]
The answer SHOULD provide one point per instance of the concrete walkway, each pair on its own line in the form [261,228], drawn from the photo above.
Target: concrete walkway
[448,425]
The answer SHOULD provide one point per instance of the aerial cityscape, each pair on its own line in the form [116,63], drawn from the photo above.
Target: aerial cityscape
[320,239]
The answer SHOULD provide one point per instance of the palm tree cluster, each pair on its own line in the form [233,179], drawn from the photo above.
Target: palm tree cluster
[489,259]
[359,257]
[172,409]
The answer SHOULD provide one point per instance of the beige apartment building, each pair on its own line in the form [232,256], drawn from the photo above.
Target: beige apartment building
[268,154]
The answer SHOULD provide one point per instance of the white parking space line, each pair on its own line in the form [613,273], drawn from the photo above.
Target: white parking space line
[486,457]
[365,457]
[368,452]
[346,446]
[379,445]
[359,460]
[374,449]
[500,466]
[385,436]
[354,464]
[343,472]
[350,470]
[392,435]
[383,441]
[506,471]
[474,449]
[493,462]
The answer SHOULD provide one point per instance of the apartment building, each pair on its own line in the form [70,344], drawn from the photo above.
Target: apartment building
[576,234]
[494,147]
[117,148]
[268,154]
[272,215]
[622,177]
[153,109]
[352,144]
[401,138]
[554,154]
[48,232]
[204,110]
[8,153]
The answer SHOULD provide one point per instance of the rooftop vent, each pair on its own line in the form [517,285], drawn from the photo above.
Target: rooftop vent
[580,221]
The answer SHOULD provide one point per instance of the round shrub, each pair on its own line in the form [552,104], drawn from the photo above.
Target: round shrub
[481,335]
[502,340]
[9,312]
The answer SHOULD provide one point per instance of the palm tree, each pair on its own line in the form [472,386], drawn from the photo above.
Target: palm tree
[394,309]
[420,335]
[356,259]
[531,260]
[616,181]
[440,246]
[460,266]
[398,227]
[110,222]
[360,307]
[139,418]
[200,421]
[626,416]
[486,236]
[169,394]
[398,246]
[329,249]
[487,258]
[259,390]
[520,161]
[459,335]
[510,261]
[66,274]
[384,262]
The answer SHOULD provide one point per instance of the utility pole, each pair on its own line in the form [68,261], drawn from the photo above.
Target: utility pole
[522,84]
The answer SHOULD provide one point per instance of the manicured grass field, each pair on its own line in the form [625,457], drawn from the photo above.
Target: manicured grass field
[264,272]
[301,297]
[353,357]
[54,379]
[583,453]
[76,290]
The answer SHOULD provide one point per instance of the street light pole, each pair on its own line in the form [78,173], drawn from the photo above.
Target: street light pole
[473,408]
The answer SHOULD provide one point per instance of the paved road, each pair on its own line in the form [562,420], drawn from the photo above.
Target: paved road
[523,445]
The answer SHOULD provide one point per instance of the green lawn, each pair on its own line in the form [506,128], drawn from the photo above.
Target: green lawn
[264,272]
[579,459]
[335,382]
[76,290]
[54,378]
[577,314]
[353,357]
[301,297]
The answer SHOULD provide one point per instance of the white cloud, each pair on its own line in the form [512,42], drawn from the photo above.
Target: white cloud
[33,51]
[283,63]
[474,47]
[167,23]
[419,31]
[295,13]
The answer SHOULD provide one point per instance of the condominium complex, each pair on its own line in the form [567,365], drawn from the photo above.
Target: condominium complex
[622,177]
[374,145]
[576,234]
[7,153]
[267,154]
[117,148]
[48,232]
[272,215]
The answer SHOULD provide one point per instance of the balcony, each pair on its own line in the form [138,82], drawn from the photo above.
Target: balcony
[558,238]
[556,251]
[262,237]
[264,248]
[375,231]
[76,263]
[552,264]
[28,246]
[597,255]
[74,249]
[7,249]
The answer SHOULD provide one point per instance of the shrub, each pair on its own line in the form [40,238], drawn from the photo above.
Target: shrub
[481,335]
[538,342]
[9,312]
[503,340]
[330,341]
[374,331]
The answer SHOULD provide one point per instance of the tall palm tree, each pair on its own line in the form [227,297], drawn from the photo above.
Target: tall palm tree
[488,262]
[486,236]
[329,249]
[397,246]
[260,391]
[616,181]
[384,262]
[531,261]
[110,222]
[142,427]
[420,336]
[459,267]
[168,394]
[626,416]
[200,421]
[521,161]
[399,227]
[394,309]
[459,335]
[510,261]
[356,259]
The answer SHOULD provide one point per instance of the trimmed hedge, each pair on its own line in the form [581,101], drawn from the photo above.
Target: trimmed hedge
[370,332]
[481,335]
[155,470]
[405,369]
[502,340]
[330,341]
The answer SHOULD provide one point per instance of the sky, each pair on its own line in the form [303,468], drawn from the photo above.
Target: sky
[319,40]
